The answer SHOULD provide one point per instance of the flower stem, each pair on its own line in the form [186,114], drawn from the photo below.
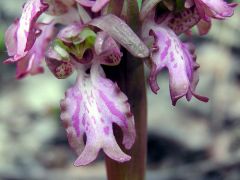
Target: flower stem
[130,78]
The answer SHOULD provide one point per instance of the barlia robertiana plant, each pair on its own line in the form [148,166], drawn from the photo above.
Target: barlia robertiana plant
[88,36]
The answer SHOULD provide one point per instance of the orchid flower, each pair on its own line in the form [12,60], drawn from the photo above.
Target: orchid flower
[21,36]
[94,103]
[168,51]
[27,38]
[207,9]
[83,35]
[90,107]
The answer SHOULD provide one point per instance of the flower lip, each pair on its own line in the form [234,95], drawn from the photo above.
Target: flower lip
[179,58]
[91,107]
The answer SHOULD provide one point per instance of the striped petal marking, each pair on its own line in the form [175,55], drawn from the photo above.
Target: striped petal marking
[27,30]
[90,108]
[169,52]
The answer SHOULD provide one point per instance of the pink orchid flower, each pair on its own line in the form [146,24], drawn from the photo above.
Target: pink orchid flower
[207,9]
[167,51]
[80,36]
[27,39]
[94,103]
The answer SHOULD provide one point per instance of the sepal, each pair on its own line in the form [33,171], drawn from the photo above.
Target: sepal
[122,33]
[107,50]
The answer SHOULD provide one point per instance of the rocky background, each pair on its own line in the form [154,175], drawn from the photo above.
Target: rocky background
[192,141]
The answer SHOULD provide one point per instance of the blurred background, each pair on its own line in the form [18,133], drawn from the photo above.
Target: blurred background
[188,142]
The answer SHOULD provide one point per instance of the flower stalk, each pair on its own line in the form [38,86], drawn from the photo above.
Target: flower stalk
[129,75]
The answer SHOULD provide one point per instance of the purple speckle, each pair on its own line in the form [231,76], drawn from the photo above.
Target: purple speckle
[106,130]
[165,51]
[102,120]
[76,117]
[171,56]
[83,120]
[112,108]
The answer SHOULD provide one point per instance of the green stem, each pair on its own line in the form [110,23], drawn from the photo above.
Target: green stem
[130,77]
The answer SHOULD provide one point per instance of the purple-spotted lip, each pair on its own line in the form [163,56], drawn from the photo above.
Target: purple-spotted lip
[180,60]
[90,108]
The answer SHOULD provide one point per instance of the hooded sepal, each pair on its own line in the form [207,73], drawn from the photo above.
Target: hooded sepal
[121,33]
[78,41]
[107,50]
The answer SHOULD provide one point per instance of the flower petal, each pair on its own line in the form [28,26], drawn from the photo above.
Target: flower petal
[10,38]
[99,5]
[147,7]
[90,107]
[107,50]
[218,9]
[203,27]
[27,30]
[189,3]
[31,63]
[78,41]
[71,16]
[70,32]
[122,33]
[168,52]
[182,21]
